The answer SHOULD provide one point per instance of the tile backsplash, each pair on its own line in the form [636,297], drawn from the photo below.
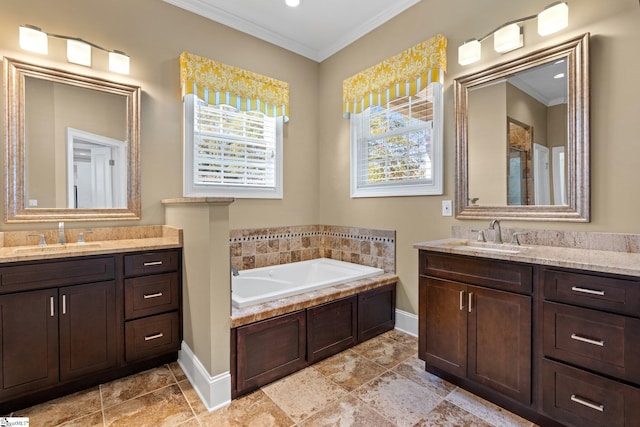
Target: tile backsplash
[262,247]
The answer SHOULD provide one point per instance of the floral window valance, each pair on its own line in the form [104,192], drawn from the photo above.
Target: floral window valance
[404,74]
[218,83]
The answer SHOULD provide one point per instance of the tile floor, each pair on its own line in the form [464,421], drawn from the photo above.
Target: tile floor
[379,383]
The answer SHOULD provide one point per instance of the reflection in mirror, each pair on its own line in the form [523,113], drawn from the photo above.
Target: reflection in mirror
[71,146]
[522,137]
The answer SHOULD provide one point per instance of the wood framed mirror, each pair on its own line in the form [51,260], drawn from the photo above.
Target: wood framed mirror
[71,146]
[522,137]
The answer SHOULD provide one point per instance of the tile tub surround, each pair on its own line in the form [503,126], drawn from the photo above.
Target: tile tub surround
[380,384]
[111,239]
[261,247]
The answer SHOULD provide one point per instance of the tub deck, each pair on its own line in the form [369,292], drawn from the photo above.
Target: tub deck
[269,309]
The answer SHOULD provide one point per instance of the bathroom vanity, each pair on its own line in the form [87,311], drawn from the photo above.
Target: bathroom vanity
[550,333]
[82,317]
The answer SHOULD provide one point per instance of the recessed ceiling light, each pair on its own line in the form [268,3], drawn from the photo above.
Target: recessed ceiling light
[292,3]
[559,76]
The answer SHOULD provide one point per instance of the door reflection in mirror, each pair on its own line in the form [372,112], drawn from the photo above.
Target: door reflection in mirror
[96,171]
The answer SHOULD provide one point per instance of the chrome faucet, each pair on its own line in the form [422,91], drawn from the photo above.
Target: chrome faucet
[497,235]
[61,239]
[234,271]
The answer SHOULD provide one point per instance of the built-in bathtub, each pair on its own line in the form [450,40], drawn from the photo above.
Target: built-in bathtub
[263,284]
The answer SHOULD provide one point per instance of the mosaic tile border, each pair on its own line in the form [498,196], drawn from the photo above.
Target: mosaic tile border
[262,247]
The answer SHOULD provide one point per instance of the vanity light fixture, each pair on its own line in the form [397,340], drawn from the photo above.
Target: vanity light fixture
[508,37]
[292,3]
[35,40]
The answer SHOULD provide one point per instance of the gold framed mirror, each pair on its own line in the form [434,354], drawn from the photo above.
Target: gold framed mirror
[71,146]
[522,137]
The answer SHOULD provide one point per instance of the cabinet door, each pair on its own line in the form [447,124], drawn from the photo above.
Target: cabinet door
[269,350]
[443,339]
[376,311]
[29,337]
[332,327]
[499,353]
[87,328]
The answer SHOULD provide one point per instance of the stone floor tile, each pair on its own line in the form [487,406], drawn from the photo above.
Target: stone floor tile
[93,420]
[486,410]
[164,407]
[349,412]
[118,391]
[63,409]
[385,351]
[192,397]
[398,399]
[177,371]
[349,369]
[255,410]
[304,393]
[402,338]
[413,368]
[446,414]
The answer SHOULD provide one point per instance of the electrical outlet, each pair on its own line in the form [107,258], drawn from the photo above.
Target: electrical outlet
[446,208]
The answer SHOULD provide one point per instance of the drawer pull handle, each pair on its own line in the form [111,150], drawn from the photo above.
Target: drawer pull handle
[587,340]
[587,291]
[461,300]
[152,263]
[156,295]
[52,306]
[586,403]
[470,301]
[153,337]
[64,304]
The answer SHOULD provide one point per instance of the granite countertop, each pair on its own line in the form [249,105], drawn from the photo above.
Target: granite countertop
[266,310]
[625,263]
[19,246]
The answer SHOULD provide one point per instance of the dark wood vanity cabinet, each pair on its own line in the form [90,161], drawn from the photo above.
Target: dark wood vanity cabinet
[591,347]
[62,326]
[152,301]
[473,326]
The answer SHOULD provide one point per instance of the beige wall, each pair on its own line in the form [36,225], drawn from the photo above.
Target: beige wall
[615,127]
[154,33]
[317,138]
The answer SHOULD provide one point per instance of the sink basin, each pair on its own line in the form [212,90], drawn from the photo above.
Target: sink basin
[471,246]
[67,247]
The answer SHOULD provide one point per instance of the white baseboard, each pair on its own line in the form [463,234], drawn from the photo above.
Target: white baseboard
[215,392]
[407,322]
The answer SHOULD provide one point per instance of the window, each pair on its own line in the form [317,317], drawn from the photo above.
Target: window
[396,149]
[231,153]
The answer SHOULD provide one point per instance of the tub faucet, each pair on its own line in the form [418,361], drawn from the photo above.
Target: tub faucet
[61,239]
[497,235]
[234,271]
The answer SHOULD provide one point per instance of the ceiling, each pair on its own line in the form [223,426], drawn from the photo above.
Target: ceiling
[316,29]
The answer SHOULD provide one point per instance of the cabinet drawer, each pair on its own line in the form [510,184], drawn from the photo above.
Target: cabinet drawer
[603,342]
[150,263]
[147,295]
[477,271]
[56,273]
[579,398]
[588,290]
[152,336]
